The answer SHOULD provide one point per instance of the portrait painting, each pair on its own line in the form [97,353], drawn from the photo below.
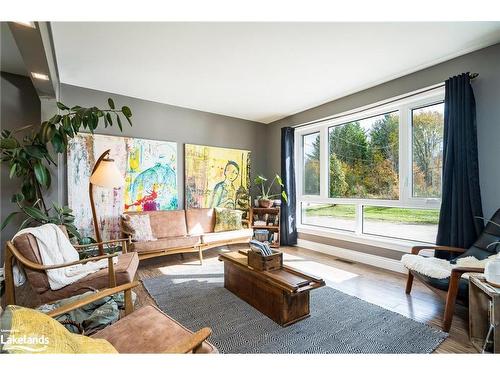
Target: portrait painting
[216,177]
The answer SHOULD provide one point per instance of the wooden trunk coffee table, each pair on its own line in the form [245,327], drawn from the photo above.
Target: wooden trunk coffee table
[282,295]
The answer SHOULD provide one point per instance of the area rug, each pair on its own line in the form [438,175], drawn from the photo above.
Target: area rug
[339,323]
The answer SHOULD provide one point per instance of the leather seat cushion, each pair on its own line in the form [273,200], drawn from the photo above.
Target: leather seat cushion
[225,236]
[125,270]
[147,330]
[200,220]
[165,244]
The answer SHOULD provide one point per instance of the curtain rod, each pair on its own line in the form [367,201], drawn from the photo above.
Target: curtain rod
[418,92]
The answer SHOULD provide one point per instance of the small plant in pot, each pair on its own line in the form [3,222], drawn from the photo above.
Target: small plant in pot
[266,198]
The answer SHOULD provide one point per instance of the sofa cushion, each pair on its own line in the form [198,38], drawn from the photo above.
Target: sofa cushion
[209,238]
[138,227]
[226,219]
[165,244]
[165,223]
[125,270]
[200,220]
[148,330]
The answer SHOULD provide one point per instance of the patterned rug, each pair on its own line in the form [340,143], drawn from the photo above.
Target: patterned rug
[339,323]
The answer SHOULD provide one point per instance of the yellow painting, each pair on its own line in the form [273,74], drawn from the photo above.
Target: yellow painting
[216,177]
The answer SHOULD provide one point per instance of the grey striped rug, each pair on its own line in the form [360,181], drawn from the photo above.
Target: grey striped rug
[339,323]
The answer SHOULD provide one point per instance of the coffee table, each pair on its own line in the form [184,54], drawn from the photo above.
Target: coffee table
[282,295]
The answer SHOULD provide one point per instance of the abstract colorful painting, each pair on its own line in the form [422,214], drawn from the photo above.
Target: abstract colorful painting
[216,177]
[150,170]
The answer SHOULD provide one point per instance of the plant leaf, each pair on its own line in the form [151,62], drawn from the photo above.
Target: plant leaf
[108,116]
[57,143]
[35,213]
[18,197]
[36,151]
[126,111]
[41,174]
[28,191]
[278,178]
[72,231]
[13,170]
[111,103]
[119,122]
[8,143]
[8,219]
[62,106]
[284,196]
[55,119]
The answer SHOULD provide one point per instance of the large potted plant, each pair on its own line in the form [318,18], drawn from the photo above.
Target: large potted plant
[265,196]
[29,159]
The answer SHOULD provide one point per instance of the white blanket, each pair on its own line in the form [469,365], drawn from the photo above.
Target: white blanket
[55,248]
[440,268]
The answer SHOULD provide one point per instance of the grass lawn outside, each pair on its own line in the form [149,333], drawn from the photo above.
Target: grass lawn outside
[393,214]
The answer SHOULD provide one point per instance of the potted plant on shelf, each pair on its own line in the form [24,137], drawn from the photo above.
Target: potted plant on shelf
[265,198]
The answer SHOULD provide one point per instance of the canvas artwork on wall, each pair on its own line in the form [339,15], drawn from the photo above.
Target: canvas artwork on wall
[216,177]
[150,170]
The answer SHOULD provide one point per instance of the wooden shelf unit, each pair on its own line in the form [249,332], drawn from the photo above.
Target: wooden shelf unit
[260,211]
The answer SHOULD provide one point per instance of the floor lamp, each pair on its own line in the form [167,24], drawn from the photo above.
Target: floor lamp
[105,174]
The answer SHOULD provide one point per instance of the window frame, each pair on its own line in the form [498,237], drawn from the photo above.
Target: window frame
[404,107]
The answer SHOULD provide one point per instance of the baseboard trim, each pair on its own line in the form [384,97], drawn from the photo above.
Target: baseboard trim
[355,256]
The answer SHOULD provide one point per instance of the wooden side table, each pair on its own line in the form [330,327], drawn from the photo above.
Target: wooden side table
[484,313]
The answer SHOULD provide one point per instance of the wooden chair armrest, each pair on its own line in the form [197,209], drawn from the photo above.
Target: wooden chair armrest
[100,243]
[416,249]
[191,343]
[40,267]
[92,298]
[459,271]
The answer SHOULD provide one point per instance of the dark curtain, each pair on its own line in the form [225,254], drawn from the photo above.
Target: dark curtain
[461,197]
[288,212]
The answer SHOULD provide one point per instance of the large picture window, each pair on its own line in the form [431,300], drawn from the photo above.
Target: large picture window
[374,172]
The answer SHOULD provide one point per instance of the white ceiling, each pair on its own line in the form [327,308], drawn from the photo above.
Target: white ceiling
[256,71]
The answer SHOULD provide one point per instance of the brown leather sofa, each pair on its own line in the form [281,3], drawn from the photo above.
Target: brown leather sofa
[184,231]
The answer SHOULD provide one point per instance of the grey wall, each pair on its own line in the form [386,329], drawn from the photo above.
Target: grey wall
[169,123]
[20,106]
[486,62]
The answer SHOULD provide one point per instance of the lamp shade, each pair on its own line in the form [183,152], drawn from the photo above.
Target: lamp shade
[107,175]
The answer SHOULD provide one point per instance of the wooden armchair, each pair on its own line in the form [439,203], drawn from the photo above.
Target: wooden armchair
[448,292]
[24,250]
[456,287]
[147,330]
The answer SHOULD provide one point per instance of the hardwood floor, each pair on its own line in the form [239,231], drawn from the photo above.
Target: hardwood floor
[375,285]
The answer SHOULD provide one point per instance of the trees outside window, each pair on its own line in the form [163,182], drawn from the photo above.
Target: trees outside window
[427,147]
[364,158]
[311,158]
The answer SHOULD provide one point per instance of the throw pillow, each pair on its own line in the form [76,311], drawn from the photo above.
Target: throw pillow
[226,219]
[138,227]
[28,331]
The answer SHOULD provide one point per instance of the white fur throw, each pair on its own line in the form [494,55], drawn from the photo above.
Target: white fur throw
[440,268]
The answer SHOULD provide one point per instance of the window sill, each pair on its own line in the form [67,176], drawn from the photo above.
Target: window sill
[403,246]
